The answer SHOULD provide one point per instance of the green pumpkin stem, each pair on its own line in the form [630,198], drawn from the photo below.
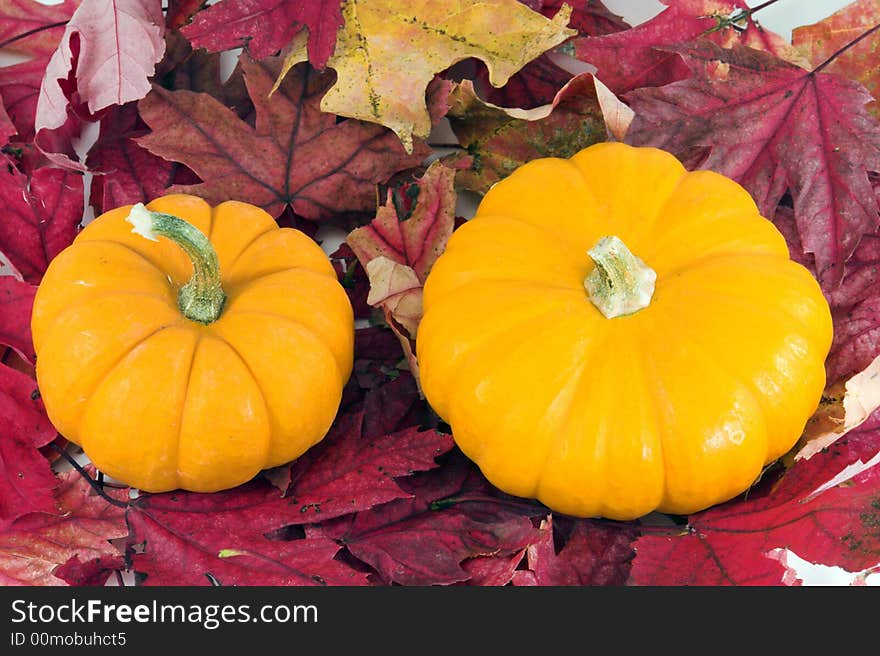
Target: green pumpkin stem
[620,283]
[201,298]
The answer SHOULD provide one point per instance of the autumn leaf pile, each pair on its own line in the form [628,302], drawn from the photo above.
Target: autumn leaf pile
[326,115]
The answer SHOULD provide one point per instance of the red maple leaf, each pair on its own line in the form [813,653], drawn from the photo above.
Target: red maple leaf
[295,155]
[350,471]
[196,549]
[594,553]
[816,510]
[644,56]
[773,126]
[41,216]
[124,172]
[408,545]
[34,30]
[26,480]
[264,27]
[78,529]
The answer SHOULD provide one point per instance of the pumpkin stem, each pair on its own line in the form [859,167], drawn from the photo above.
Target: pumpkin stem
[202,297]
[621,283]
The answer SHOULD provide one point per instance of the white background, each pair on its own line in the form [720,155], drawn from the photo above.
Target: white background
[781,18]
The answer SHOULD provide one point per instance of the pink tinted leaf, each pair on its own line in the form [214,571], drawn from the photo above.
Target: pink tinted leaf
[108,54]
[295,156]
[398,248]
[42,216]
[769,124]
[80,525]
[414,235]
[33,28]
[265,27]
[817,510]
[823,40]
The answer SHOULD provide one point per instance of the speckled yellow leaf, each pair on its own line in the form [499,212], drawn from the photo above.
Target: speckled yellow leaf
[820,41]
[389,50]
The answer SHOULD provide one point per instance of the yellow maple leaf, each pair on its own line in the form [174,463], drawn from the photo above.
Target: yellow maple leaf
[388,51]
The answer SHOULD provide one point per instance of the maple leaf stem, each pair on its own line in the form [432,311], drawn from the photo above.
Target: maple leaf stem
[620,283]
[95,485]
[840,51]
[201,298]
[24,35]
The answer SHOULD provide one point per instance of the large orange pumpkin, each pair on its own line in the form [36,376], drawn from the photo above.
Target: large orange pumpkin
[612,335]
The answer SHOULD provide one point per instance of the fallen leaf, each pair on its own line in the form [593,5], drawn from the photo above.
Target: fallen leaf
[195,551]
[594,553]
[349,471]
[32,29]
[822,40]
[109,53]
[843,408]
[541,79]
[42,215]
[81,527]
[16,304]
[647,55]
[294,156]
[124,172]
[388,51]
[398,248]
[498,140]
[264,27]
[427,547]
[824,509]
[771,125]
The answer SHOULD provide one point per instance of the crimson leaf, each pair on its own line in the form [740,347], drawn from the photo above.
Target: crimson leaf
[294,156]
[771,125]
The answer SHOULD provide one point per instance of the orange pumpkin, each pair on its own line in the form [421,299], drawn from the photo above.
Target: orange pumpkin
[193,358]
[612,335]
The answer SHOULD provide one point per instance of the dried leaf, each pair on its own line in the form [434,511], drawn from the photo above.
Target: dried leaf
[820,41]
[499,140]
[594,554]
[81,528]
[110,54]
[294,156]
[770,126]
[388,52]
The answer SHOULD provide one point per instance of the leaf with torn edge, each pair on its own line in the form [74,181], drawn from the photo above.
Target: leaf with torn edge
[820,41]
[399,247]
[294,155]
[389,50]
[844,407]
[499,140]
[111,52]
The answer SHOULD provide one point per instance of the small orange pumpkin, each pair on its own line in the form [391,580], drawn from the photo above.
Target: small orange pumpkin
[193,358]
